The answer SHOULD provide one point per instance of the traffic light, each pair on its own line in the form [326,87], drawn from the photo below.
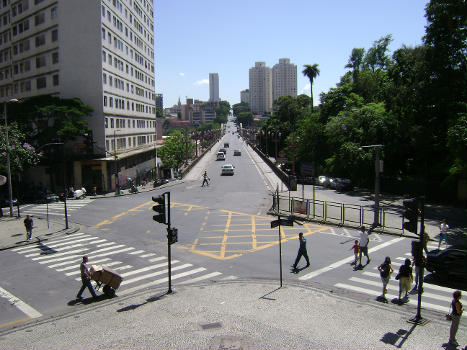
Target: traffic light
[172,235]
[159,208]
[410,213]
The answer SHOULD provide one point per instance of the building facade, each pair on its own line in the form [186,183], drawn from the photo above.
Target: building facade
[245,96]
[160,101]
[260,87]
[284,79]
[213,87]
[101,51]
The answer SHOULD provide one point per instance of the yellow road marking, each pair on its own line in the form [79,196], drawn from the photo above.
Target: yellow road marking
[115,217]
[253,232]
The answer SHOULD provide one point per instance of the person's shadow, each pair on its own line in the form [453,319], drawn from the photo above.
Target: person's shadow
[297,270]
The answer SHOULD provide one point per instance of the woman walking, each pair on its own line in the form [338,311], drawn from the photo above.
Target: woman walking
[405,278]
[385,270]
[456,313]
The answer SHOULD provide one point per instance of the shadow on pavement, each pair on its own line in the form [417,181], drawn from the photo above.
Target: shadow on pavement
[135,306]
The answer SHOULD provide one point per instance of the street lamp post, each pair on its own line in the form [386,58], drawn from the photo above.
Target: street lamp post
[377,181]
[10,187]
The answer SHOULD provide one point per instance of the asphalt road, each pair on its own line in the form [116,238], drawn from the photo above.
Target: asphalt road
[223,231]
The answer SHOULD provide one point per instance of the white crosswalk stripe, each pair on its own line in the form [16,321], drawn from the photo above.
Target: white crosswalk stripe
[56,208]
[137,267]
[369,282]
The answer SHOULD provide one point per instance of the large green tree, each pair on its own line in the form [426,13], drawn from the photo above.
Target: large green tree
[22,154]
[175,149]
[311,71]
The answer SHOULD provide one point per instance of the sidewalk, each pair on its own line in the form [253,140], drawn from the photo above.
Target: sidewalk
[243,314]
[13,233]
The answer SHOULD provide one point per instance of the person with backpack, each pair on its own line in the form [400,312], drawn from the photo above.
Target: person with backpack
[385,271]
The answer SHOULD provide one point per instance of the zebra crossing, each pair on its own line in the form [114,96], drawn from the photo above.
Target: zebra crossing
[64,255]
[436,298]
[55,208]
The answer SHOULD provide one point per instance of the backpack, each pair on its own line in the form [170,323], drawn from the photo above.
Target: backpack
[384,270]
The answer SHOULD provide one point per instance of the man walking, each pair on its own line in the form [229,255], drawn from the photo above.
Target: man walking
[28,222]
[301,252]
[86,280]
[206,179]
[363,246]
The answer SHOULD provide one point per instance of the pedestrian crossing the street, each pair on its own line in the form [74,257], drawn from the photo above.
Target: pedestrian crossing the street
[56,208]
[147,270]
[369,282]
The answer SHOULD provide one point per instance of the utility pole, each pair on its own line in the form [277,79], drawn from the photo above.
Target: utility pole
[10,186]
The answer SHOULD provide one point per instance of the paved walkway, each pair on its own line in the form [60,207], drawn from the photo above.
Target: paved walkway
[244,314]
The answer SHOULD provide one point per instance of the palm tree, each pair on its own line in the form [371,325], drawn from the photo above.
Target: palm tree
[311,71]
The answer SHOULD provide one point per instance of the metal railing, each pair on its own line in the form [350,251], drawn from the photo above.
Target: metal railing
[344,214]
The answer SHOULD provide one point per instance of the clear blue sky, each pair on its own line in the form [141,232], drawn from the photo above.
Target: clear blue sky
[195,38]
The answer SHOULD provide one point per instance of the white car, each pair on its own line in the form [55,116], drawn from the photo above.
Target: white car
[227,169]
[220,156]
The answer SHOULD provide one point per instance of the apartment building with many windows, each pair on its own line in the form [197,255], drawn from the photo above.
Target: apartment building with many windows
[284,79]
[101,51]
[260,87]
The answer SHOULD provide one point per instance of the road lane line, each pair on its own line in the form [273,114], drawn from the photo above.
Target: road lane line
[48,257]
[21,249]
[147,268]
[50,251]
[25,308]
[391,296]
[201,278]
[347,260]
[149,275]
[157,259]
[161,280]
[74,264]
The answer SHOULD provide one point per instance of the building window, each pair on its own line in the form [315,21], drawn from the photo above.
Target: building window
[55,57]
[40,40]
[104,56]
[105,103]
[106,122]
[55,79]
[54,35]
[103,34]
[110,80]
[53,13]
[41,83]
[39,18]
[104,78]
[111,102]
[111,122]
[40,61]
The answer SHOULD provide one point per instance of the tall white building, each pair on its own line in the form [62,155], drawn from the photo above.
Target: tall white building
[213,87]
[260,86]
[284,79]
[101,51]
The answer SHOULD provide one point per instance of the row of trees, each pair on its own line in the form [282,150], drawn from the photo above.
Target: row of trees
[413,102]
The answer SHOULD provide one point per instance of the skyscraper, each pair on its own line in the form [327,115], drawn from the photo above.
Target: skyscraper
[260,87]
[284,79]
[213,87]
[99,51]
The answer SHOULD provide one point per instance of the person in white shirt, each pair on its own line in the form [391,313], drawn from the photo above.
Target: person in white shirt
[443,233]
[363,246]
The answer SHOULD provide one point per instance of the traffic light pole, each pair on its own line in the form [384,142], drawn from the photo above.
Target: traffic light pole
[169,252]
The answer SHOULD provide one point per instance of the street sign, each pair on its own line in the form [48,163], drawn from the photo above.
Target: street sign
[282,222]
[2,180]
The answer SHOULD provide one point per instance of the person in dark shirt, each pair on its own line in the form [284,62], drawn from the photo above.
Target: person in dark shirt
[28,222]
[405,278]
[86,279]
[301,252]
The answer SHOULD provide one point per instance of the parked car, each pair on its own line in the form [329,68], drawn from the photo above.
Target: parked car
[220,156]
[5,202]
[340,184]
[449,263]
[160,182]
[323,181]
[306,180]
[237,152]
[227,169]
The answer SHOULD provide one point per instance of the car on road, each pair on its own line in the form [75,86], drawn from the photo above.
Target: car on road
[226,145]
[340,184]
[237,152]
[227,169]
[449,263]
[323,181]
[220,156]
[223,150]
